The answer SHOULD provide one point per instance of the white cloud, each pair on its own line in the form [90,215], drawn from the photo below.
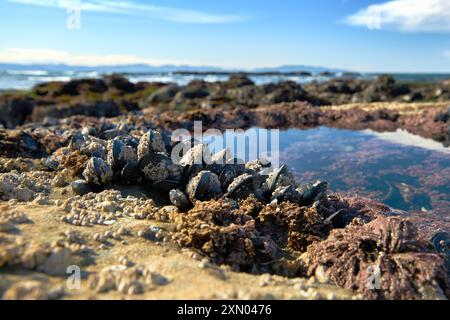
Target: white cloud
[406,15]
[49,56]
[46,56]
[133,8]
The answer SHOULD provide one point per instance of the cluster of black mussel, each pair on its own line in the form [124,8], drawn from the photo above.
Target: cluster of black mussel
[186,170]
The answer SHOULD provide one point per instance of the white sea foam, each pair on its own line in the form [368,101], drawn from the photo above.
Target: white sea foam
[27,72]
[25,79]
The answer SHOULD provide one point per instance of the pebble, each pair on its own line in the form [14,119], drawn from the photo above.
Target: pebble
[331,296]
[122,231]
[126,280]
[57,262]
[104,208]
[141,233]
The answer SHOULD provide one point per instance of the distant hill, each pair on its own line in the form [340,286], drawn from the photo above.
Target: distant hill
[294,68]
[143,68]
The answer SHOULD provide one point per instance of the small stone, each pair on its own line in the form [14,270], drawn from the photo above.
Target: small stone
[331,296]
[321,274]
[57,262]
[141,233]
[136,288]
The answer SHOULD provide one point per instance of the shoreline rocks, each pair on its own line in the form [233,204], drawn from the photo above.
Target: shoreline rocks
[115,95]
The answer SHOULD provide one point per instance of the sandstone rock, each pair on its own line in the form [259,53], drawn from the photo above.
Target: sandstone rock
[57,262]
[28,290]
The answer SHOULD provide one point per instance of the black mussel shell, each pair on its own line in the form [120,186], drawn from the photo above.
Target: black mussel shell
[111,134]
[179,199]
[286,194]
[272,180]
[441,242]
[238,164]
[166,140]
[116,149]
[81,187]
[227,175]
[51,164]
[246,186]
[130,173]
[202,190]
[337,219]
[130,141]
[76,141]
[215,168]
[312,192]
[152,159]
[191,171]
[166,185]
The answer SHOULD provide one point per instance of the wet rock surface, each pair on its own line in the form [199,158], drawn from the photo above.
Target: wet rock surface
[419,119]
[115,95]
[238,103]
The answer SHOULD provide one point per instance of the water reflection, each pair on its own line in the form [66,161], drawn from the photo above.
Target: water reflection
[404,171]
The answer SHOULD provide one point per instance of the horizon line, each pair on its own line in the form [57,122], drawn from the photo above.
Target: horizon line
[222,69]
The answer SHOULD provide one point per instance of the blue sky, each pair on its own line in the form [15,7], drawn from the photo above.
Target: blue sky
[360,35]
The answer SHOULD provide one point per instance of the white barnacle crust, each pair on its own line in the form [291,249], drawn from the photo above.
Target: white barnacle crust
[205,185]
[97,172]
[150,142]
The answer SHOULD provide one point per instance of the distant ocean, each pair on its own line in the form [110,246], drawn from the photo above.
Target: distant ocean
[26,79]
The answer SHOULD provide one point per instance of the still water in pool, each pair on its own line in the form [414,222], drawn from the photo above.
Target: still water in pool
[399,169]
